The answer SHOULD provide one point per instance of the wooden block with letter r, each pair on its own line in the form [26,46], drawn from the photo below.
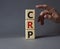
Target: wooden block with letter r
[29,24]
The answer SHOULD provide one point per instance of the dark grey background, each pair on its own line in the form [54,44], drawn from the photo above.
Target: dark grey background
[12,18]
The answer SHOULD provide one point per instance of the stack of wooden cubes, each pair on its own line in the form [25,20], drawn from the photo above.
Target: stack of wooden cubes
[30,23]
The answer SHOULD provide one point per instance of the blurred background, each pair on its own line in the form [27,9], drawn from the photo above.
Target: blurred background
[12,25]
[12,17]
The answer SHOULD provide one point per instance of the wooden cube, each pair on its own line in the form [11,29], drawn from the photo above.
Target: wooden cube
[29,24]
[30,34]
[30,14]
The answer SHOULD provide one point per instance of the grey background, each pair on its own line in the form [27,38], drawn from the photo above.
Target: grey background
[12,18]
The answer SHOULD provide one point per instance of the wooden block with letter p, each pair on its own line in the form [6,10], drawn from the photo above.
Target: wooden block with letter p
[30,24]
[30,34]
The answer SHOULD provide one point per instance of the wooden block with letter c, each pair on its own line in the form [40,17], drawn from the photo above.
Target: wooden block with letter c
[30,14]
